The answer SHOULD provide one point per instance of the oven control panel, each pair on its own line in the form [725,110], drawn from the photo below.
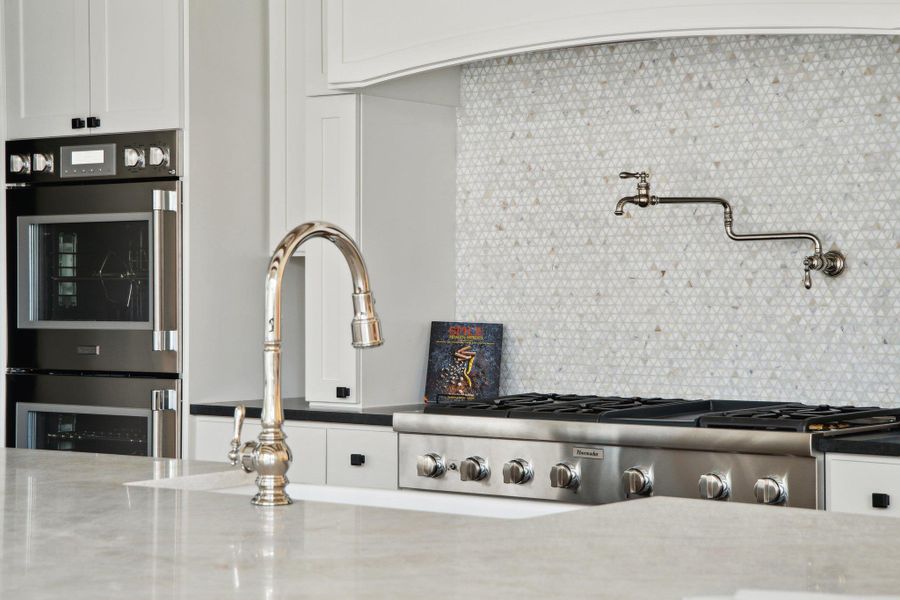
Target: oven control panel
[141,155]
[94,160]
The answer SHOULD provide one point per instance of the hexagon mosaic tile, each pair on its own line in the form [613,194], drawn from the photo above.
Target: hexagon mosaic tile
[798,132]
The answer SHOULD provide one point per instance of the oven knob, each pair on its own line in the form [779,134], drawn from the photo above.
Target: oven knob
[159,156]
[769,490]
[637,482]
[563,475]
[134,158]
[20,163]
[42,163]
[430,465]
[474,468]
[714,486]
[517,471]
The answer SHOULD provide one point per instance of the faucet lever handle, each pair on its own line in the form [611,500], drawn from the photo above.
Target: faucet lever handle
[641,175]
[234,454]
[807,279]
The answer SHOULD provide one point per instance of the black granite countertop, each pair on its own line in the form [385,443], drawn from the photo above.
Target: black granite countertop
[878,443]
[297,409]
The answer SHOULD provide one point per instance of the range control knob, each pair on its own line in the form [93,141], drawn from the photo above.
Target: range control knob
[430,465]
[20,163]
[770,490]
[563,475]
[474,468]
[637,482]
[134,158]
[42,163]
[517,471]
[714,486]
[159,156]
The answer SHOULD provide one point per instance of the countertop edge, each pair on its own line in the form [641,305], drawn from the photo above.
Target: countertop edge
[382,418]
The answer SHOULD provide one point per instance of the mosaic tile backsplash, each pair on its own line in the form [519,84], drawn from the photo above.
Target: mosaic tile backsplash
[798,132]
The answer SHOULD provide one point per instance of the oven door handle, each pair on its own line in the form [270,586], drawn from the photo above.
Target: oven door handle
[162,427]
[165,304]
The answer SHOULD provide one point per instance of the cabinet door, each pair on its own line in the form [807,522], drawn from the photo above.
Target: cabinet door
[362,458]
[865,485]
[135,56]
[331,195]
[211,440]
[211,437]
[47,66]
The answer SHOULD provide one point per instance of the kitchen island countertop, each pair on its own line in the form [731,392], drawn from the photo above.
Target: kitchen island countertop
[72,529]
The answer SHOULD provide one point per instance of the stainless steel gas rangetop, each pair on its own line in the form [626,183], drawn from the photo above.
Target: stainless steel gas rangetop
[595,450]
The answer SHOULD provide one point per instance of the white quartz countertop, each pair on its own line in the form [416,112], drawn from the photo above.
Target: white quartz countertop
[72,529]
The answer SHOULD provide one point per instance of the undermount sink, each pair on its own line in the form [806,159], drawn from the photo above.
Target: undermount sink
[239,483]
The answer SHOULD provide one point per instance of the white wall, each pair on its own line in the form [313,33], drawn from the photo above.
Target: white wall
[227,187]
[228,191]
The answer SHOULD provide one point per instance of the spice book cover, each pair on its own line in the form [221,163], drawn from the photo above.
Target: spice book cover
[463,361]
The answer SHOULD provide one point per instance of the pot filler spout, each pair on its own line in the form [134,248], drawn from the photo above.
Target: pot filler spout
[830,263]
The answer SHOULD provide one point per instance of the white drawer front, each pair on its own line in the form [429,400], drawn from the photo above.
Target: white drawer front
[379,449]
[211,440]
[307,444]
[851,481]
[211,436]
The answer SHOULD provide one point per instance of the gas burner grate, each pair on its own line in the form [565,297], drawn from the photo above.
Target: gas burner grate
[563,407]
[802,417]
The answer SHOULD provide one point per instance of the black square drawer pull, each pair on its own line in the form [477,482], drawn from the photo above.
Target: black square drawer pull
[881,500]
[77,123]
[357,460]
[93,122]
[342,392]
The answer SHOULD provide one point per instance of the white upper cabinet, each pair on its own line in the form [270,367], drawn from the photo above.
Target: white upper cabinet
[136,64]
[71,64]
[47,66]
[374,40]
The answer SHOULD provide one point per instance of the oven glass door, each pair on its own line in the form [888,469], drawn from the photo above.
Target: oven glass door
[94,277]
[84,428]
[85,271]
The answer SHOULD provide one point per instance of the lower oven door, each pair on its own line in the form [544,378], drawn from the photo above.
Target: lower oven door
[111,415]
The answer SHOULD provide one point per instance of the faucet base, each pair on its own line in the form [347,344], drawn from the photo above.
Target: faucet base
[271,491]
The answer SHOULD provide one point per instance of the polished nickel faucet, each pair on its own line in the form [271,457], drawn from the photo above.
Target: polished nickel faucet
[831,263]
[270,456]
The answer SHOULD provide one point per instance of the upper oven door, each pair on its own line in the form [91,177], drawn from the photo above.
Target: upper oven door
[94,277]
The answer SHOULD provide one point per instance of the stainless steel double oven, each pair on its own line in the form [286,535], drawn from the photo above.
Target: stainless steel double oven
[93,234]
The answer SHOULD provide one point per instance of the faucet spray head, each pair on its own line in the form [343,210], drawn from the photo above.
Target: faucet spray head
[366,327]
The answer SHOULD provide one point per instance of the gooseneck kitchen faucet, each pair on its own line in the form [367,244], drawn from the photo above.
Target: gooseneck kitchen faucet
[830,263]
[269,456]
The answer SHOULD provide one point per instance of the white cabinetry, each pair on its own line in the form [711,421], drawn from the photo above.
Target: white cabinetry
[332,453]
[47,66]
[374,40]
[382,166]
[331,195]
[117,61]
[211,436]
[383,169]
[358,457]
[862,484]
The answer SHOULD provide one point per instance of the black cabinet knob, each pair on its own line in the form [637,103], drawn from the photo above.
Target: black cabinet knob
[342,392]
[93,122]
[77,123]
[881,500]
[357,460]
